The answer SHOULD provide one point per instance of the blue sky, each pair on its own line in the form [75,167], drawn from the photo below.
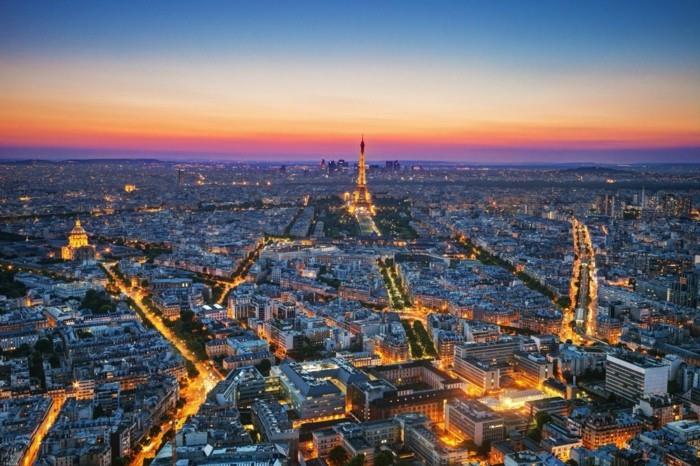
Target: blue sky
[645,55]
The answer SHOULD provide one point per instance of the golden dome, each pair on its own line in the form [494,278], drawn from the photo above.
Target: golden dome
[77,237]
[78,228]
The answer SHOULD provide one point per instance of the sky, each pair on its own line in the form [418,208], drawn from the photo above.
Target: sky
[484,82]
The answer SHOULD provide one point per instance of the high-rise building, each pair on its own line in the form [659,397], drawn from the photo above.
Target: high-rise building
[630,377]
[607,205]
[674,205]
[684,289]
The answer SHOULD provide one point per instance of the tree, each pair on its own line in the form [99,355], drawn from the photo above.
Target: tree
[541,419]
[187,316]
[425,340]
[98,302]
[43,345]
[105,308]
[357,460]
[338,456]
[384,458]
[9,287]
[36,367]
[564,302]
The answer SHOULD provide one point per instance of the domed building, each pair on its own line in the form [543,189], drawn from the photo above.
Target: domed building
[78,247]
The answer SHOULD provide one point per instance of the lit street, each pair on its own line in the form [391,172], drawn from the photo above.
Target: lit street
[195,392]
[317,233]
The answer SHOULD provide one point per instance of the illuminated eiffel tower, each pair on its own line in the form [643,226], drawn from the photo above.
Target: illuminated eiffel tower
[360,201]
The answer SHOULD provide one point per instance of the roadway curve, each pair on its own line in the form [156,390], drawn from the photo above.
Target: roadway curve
[195,392]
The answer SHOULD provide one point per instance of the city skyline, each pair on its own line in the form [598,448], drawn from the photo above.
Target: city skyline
[242,308]
[497,84]
[350,234]
[347,313]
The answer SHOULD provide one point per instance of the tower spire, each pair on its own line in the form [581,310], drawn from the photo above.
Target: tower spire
[360,202]
[361,176]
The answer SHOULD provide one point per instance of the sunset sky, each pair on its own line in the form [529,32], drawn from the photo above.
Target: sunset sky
[487,82]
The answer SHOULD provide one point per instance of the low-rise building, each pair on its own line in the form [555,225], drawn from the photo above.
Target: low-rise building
[272,421]
[605,428]
[472,420]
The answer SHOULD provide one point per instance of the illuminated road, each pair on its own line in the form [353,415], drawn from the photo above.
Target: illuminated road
[392,288]
[245,266]
[228,286]
[413,313]
[584,285]
[33,450]
[569,316]
[195,392]
[404,309]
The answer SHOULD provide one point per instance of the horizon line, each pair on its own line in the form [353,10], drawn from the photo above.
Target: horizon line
[475,155]
[583,163]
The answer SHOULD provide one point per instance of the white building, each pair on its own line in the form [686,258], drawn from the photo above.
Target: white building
[630,376]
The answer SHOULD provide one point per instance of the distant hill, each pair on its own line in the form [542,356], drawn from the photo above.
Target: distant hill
[82,161]
[595,170]
[113,160]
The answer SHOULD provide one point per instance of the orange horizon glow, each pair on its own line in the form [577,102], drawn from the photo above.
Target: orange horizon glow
[283,108]
[479,80]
